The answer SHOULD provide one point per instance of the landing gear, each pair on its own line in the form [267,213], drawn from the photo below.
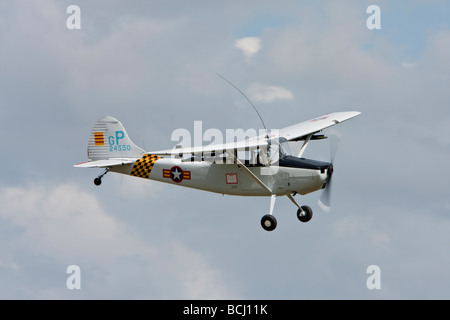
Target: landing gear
[268,222]
[98,180]
[304,214]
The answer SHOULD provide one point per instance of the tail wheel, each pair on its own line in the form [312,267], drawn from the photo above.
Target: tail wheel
[268,222]
[98,181]
[304,214]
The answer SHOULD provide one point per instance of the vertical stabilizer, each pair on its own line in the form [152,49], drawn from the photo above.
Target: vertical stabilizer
[108,139]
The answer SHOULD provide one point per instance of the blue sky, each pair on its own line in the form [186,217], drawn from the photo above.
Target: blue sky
[410,26]
[153,66]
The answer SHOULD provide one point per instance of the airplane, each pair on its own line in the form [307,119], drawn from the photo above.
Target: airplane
[257,166]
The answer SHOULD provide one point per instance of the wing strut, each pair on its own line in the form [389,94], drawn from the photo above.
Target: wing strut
[252,175]
[302,149]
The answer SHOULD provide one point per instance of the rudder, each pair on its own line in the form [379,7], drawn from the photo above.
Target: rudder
[108,139]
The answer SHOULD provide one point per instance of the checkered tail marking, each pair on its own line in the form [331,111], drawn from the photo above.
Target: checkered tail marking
[144,165]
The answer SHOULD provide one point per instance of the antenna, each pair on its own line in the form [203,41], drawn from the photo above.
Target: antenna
[264,125]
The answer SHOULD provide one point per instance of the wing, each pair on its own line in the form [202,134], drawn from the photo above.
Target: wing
[105,163]
[292,133]
[300,130]
[253,143]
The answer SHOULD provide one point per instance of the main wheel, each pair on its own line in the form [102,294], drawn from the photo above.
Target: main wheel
[97,181]
[304,214]
[268,222]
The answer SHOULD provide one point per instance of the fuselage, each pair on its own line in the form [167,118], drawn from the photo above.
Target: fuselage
[289,175]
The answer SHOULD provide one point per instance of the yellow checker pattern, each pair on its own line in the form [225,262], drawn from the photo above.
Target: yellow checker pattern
[144,165]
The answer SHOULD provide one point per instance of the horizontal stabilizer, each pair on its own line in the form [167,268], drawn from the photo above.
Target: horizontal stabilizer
[105,163]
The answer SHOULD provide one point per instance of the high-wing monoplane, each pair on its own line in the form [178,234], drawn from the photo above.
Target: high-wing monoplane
[256,166]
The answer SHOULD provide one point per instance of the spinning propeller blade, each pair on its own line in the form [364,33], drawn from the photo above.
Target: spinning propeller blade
[325,199]
[334,144]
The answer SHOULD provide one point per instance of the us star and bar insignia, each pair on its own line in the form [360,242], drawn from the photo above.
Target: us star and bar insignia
[176,174]
[144,165]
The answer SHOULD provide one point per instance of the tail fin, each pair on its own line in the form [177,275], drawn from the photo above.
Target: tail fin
[108,139]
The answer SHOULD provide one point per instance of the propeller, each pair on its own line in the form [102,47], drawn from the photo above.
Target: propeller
[325,198]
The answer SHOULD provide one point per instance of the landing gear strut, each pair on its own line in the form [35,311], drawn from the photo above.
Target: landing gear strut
[268,222]
[98,180]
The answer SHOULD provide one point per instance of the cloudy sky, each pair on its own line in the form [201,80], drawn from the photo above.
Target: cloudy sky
[153,66]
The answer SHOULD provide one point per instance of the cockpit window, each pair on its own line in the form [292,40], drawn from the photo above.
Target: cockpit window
[279,148]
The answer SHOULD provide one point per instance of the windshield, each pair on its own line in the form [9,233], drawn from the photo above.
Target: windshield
[279,148]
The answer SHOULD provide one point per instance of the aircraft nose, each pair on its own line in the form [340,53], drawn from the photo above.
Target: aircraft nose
[330,170]
[327,177]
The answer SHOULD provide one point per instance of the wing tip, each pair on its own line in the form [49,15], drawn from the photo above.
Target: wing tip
[80,164]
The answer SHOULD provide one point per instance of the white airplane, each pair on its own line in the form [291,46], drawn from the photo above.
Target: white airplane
[259,166]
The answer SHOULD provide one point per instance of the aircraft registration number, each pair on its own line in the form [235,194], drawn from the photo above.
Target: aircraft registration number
[120,147]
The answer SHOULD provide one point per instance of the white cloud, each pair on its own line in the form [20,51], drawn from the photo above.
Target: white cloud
[64,223]
[249,45]
[198,280]
[266,93]
[407,65]
[67,222]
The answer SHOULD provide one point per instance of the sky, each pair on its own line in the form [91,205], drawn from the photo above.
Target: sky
[153,66]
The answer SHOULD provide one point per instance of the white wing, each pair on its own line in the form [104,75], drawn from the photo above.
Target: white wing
[295,132]
[252,143]
[300,130]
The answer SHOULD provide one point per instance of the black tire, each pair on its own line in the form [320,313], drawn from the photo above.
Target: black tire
[268,222]
[304,214]
[97,181]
